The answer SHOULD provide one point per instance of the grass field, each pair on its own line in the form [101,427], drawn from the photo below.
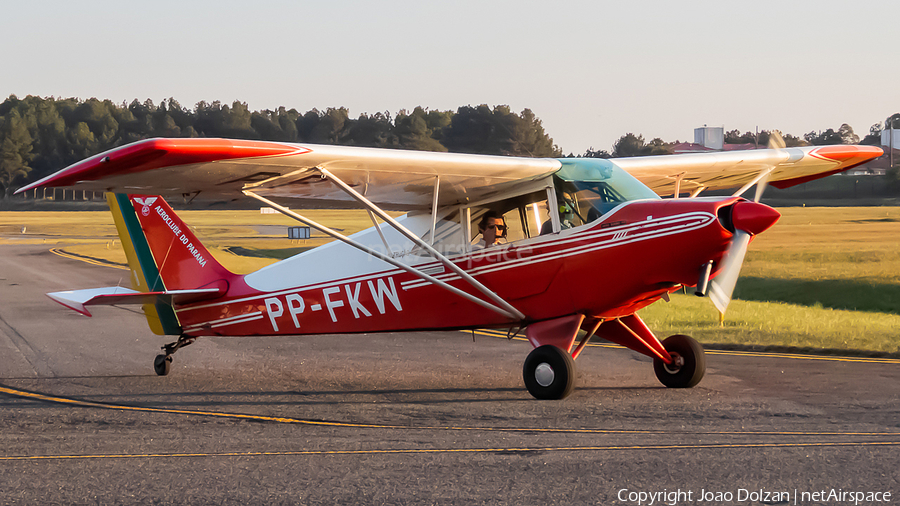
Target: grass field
[821,277]
[243,241]
[841,258]
[775,324]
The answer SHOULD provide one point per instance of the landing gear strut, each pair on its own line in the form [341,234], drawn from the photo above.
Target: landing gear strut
[163,362]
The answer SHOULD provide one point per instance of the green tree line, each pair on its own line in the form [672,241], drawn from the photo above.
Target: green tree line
[39,136]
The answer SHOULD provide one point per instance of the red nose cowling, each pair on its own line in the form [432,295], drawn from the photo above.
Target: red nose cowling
[753,217]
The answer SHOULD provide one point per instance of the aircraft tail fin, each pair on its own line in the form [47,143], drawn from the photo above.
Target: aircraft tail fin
[163,254]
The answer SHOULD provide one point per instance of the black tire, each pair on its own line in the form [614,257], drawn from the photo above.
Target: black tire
[161,364]
[692,362]
[549,373]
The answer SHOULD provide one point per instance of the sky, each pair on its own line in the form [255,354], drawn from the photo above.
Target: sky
[590,70]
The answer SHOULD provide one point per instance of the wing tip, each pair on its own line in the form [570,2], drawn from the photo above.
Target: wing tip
[157,152]
[70,303]
[848,155]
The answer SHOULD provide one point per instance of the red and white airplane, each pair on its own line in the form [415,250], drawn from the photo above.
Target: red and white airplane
[587,242]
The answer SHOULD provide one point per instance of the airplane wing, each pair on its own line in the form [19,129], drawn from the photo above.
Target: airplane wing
[222,168]
[731,169]
[399,179]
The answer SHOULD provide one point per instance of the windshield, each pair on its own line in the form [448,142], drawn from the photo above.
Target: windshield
[591,187]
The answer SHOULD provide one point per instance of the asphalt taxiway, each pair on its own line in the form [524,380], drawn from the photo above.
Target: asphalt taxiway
[417,418]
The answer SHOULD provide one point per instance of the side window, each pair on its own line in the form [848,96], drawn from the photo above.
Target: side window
[591,199]
[523,216]
[538,218]
[515,228]
[571,210]
[448,236]
[477,214]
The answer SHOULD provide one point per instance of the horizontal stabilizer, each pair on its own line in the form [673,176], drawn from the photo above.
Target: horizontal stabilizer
[80,299]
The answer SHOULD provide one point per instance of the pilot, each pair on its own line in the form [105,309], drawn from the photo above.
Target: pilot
[492,228]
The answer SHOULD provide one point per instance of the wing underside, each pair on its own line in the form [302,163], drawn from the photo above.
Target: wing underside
[731,169]
[223,168]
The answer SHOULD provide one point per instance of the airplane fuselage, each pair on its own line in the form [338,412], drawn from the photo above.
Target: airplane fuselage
[607,269]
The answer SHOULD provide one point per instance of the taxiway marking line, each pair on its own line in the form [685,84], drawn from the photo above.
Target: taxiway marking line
[396,451]
[65,254]
[865,360]
[77,402]
[766,354]
[122,407]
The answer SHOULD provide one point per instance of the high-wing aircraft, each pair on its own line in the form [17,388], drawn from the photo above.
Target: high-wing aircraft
[585,243]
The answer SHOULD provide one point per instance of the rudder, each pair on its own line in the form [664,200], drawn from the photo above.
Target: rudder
[163,254]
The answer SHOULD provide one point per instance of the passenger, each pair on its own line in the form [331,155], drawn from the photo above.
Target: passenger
[566,215]
[492,228]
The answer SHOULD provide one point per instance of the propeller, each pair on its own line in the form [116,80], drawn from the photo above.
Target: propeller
[776,142]
[748,219]
[721,288]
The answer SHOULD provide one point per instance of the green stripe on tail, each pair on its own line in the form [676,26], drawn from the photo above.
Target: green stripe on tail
[145,274]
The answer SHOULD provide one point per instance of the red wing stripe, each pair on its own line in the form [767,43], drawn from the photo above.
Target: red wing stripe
[157,153]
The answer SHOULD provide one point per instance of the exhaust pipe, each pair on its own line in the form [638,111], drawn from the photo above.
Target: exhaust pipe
[703,281]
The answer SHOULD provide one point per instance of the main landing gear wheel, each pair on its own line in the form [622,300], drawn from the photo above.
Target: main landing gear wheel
[689,362]
[549,373]
[162,364]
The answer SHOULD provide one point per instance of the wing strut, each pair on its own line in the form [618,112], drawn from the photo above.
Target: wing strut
[678,179]
[412,270]
[434,206]
[422,244]
[387,247]
[763,175]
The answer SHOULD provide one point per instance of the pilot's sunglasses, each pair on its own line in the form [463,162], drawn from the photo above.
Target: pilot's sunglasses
[498,227]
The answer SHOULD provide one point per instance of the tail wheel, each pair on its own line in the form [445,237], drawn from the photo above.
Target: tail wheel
[549,373]
[689,362]
[161,364]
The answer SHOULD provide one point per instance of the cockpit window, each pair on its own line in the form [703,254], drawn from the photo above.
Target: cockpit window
[523,216]
[580,192]
[581,202]
[589,188]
